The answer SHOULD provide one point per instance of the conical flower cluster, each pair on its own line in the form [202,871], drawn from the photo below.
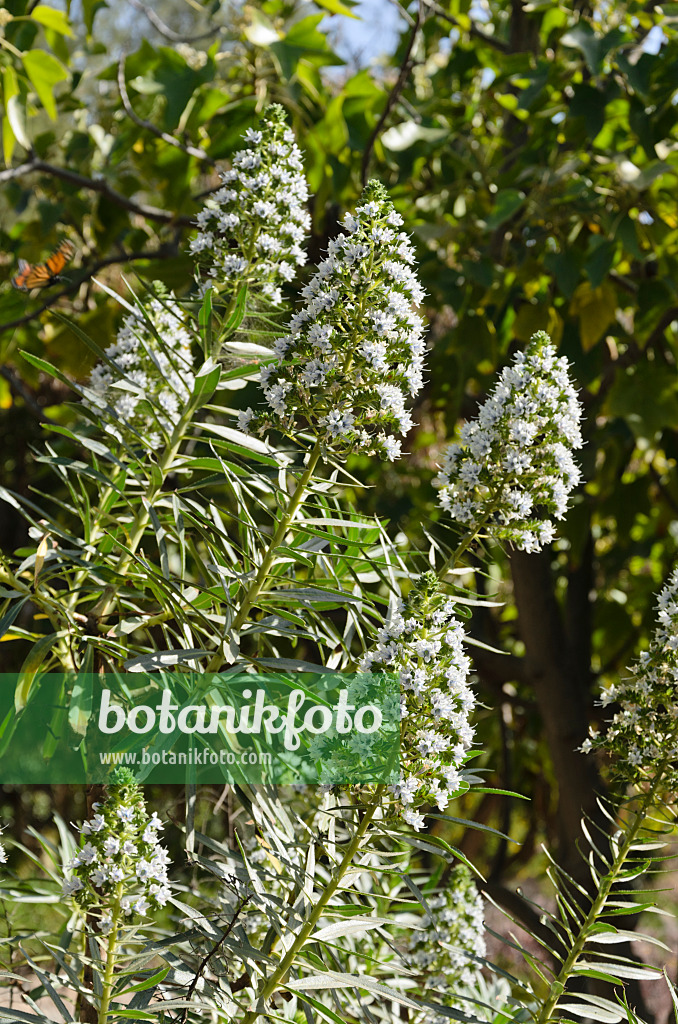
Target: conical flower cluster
[354,354]
[424,644]
[120,870]
[148,378]
[643,734]
[453,933]
[251,230]
[513,467]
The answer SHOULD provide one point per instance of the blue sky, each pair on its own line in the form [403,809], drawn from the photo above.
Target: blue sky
[359,42]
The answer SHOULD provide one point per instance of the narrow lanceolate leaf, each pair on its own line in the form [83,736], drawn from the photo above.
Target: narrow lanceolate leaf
[353,926]
[590,1012]
[330,980]
[34,659]
[148,983]
[619,970]
[160,659]
[609,938]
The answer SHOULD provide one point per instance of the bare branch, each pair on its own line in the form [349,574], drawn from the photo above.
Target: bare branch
[474,31]
[163,253]
[95,185]
[405,69]
[165,30]
[200,154]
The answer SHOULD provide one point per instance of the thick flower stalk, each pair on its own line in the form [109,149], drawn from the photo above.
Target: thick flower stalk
[120,871]
[354,353]
[453,933]
[251,230]
[423,644]
[643,734]
[513,467]
[149,376]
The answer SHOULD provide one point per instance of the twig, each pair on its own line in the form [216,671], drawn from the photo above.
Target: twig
[405,68]
[148,126]
[242,903]
[165,30]
[95,185]
[474,31]
[164,252]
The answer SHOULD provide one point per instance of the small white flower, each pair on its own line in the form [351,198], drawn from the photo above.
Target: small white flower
[413,818]
[111,846]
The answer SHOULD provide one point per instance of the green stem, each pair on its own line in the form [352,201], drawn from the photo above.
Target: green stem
[597,906]
[257,584]
[288,960]
[111,950]
[141,519]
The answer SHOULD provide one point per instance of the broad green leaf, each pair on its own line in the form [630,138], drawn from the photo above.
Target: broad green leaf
[44,71]
[596,309]
[336,7]
[50,17]
[16,115]
[402,136]
[506,203]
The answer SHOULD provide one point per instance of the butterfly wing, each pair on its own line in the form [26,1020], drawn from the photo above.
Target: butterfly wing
[55,263]
[25,271]
[43,274]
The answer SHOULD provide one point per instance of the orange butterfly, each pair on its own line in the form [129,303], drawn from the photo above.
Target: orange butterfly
[43,274]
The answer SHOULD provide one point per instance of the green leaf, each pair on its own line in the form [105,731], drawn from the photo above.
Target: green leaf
[11,614]
[236,317]
[50,17]
[353,926]
[646,397]
[591,1012]
[10,135]
[28,671]
[206,381]
[609,938]
[44,71]
[507,202]
[134,1014]
[584,39]
[16,116]
[596,309]
[148,983]
[336,7]
[89,10]
[402,136]
[80,709]
[619,970]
